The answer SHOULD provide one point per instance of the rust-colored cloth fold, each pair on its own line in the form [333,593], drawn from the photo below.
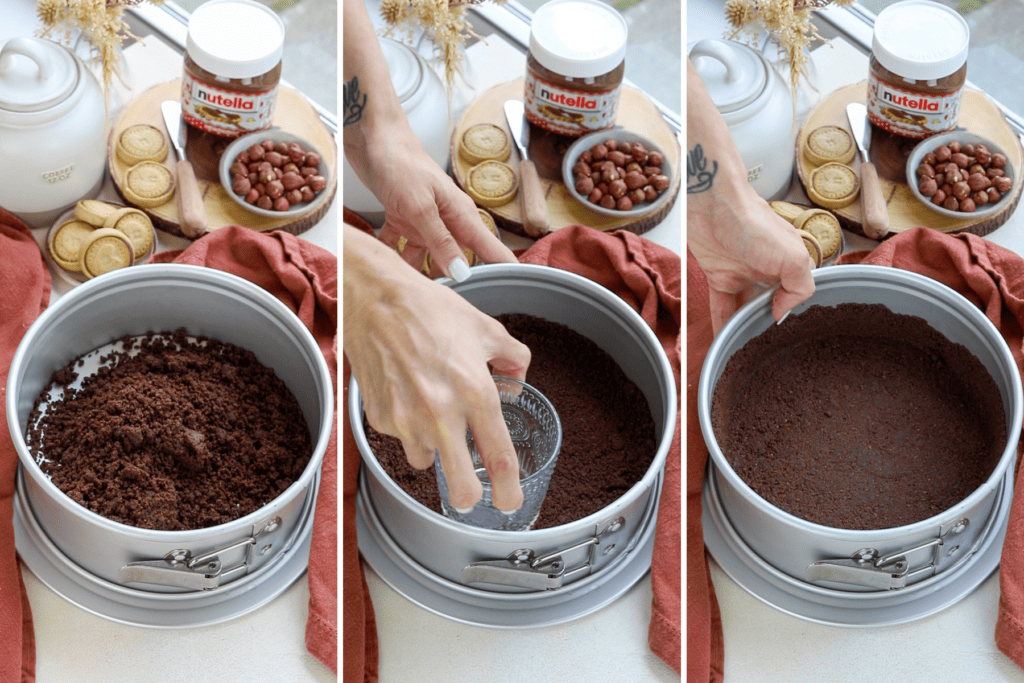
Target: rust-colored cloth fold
[305,278]
[646,276]
[990,276]
[25,281]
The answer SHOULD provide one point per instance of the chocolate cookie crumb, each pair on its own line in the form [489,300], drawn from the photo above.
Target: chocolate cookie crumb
[608,433]
[171,433]
[855,417]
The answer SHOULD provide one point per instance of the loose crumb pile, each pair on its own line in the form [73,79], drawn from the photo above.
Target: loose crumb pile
[171,433]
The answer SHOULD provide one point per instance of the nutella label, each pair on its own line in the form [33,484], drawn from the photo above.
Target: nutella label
[570,112]
[910,113]
[223,112]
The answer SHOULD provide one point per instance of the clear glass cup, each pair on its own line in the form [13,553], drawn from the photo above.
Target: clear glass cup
[536,436]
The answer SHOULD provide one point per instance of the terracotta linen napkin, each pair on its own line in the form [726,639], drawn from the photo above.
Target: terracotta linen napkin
[305,278]
[25,280]
[646,276]
[990,276]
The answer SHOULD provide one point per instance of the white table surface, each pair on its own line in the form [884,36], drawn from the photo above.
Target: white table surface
[765,645]
[75,646]
[609,645]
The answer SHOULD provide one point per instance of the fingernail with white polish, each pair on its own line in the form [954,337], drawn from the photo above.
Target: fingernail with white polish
[458,270]
[784,316]
[508,513]
[463,511]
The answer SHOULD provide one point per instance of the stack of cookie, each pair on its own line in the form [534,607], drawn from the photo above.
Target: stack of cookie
[819,229]
[833,184]
[147,182]
[100,237]
[490,182]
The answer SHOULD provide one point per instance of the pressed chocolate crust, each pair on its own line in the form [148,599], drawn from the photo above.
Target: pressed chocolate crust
[181,435]
[608,434]
[858,418]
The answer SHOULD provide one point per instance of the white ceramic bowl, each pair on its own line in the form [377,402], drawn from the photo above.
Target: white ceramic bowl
[929,145]
[586,142]
[243,143]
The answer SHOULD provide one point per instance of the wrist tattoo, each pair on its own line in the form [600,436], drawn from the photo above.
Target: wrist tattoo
[354,101]
[698,177]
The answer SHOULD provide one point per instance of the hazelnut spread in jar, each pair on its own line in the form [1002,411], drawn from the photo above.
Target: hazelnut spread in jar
[574,66]
[918,69]
[232,67]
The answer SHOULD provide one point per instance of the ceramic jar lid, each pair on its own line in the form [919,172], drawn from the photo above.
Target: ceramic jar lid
[35,74]
[733,74]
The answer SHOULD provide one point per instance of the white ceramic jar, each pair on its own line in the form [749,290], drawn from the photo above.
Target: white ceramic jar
[53,123]
[425,103]
[757,107]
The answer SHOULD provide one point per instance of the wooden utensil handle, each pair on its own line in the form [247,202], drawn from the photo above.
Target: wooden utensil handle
[190,201]
[537,222]
[876,214]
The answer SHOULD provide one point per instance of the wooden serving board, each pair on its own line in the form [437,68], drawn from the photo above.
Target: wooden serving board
[636,113]
[889,154]
[292,113]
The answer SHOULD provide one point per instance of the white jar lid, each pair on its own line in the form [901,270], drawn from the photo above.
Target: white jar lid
[35,74]
[578,38]
[920,40]
[733,74]
[235,38]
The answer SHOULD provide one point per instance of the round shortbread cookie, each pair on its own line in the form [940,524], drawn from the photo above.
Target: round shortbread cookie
[827,144]
[148,184]
[66,243]
[136,225]
[105,250]
[492,183]
[825,228]
[813,248]
[94,211]
[484,141]
[787,210]
[833,186]
[141,142]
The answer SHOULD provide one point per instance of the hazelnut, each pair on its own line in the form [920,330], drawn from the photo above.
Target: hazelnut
[655,159]
[612,144]
[660,182]
[967,205]
[584,184]
[980,198]
[617,188]
[978,181]
[954,146]
[928,186]
[635,179]
[1003,184]
[961,190]
[939,197]
[599,151]
[942,153]
[281,204]
[617,157]
[960,159]
[951,203]
[926,170]
[608,201]
[595,196]
[624,204]
[998,160]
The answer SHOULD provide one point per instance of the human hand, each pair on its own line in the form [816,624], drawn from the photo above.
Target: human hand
[425,206]
[742,245]
[420,354]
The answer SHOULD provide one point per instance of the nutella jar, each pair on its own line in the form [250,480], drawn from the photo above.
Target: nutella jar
[918,69]
[574,66]
[232,67]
